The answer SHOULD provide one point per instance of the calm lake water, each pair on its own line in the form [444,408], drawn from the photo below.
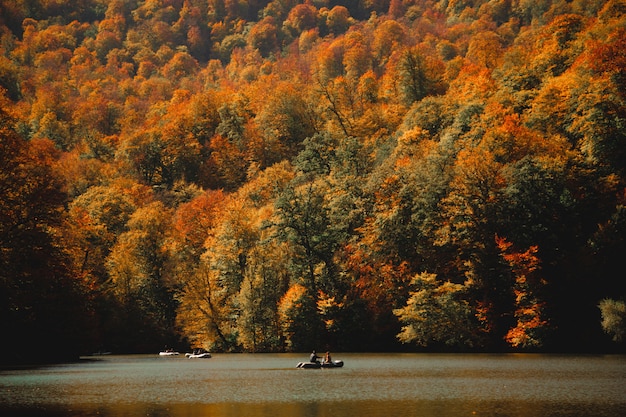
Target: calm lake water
[269,385]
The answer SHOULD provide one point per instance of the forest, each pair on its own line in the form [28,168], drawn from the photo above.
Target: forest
[279,175]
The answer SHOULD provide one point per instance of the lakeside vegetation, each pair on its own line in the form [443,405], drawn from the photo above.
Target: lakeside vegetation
[269,176]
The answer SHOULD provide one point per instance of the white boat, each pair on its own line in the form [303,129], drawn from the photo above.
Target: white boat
[168,353]
[204,355]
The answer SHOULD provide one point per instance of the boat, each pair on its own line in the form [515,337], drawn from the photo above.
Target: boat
[168,353]
[319,365]
[198,353]
[204,355]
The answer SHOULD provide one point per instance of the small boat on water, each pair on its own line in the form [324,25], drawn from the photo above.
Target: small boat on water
[205,355]
[319,365]
[198,353]
[168,353]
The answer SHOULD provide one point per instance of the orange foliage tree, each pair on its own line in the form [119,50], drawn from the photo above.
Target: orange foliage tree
[531,326]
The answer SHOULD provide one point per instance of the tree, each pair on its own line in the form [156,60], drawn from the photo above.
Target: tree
[436,313]
[286,117]
[601,110]
[301,18]
[110,35]
[140,278]
[42,296]
[471,213]
[264,285]
[357,57]
[485,49]
[338,20]
[388,35]
[531,326]
[205,313]
[303,220]
[419,75]
[264,36]
[162,153]
[181,65]
[230,296]
[9,77]
[298,318]
[557,44]
[377,287]
[210,299]
[613,318]
[194,219]
[97,218]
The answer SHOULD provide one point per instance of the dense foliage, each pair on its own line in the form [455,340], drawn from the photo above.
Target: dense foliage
[279,175]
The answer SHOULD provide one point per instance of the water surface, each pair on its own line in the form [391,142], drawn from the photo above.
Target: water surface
[269,385]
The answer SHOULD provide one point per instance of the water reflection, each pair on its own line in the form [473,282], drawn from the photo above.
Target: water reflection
[365,408]
[368,385]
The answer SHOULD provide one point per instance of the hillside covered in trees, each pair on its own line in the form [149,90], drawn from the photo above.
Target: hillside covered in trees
[271,176]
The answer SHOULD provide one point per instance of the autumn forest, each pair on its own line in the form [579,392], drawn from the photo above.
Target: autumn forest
[279,175]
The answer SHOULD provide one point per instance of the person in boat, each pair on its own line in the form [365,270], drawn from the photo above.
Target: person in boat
[327,358]
[314,358]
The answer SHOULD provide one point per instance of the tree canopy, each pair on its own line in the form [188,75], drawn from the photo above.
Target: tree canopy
[283,176]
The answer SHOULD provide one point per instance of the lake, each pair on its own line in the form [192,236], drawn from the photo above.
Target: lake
[269,385]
